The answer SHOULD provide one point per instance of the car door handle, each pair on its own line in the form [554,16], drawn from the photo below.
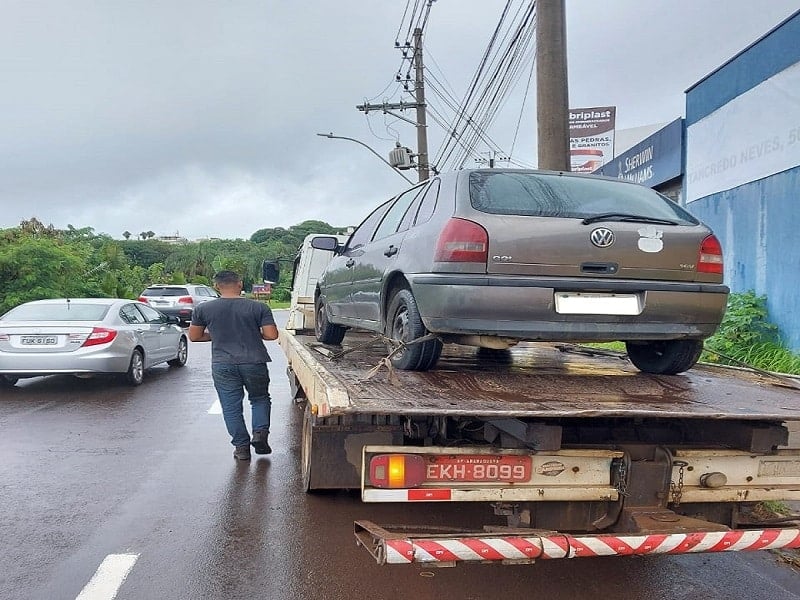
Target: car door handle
[350,262]
[391,251]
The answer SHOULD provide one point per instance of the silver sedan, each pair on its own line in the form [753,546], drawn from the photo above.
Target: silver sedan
[85,336]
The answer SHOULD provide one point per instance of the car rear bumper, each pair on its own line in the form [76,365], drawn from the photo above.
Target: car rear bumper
[524,308]
[32,364]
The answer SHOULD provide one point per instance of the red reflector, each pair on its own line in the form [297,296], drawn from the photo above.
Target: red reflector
[185,300]
[100,335]
[421,495]
[462,241]
[396,470]
[710,259]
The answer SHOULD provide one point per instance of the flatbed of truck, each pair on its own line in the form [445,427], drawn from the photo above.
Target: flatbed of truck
[533,380]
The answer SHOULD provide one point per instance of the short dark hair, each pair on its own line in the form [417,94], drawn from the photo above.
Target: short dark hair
[227,278]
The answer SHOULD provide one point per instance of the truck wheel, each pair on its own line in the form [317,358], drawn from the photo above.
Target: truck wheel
[135,374]
[665,357]
[305,447]
[326,332]
[405,324]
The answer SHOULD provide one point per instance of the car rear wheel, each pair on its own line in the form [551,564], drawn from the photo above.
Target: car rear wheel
[183,353]
[135,374]
[6,381]
[326,332]
[665,357]
[405,324]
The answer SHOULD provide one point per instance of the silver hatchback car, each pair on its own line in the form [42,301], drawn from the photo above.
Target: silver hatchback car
[86,336]
[492,257]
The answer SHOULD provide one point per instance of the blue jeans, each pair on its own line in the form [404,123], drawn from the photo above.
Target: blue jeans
[231,381]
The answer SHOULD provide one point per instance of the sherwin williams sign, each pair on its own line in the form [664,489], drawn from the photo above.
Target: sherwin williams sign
[652,161]
[591,137]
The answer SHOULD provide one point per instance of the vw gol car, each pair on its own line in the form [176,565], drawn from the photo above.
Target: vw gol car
[492,257]
[86,336]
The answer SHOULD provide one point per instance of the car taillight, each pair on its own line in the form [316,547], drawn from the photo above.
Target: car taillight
[142,299]
[710,259]
[4,337]
[396,470]
[100,335]
[185,300]
[462,241]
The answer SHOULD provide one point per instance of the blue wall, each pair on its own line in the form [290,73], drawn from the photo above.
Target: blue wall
[758,223]
[759,226]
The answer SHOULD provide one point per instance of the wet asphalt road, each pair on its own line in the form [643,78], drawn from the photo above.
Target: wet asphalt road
[92,467]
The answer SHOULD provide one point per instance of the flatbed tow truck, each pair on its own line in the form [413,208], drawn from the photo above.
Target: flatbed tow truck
[571,450]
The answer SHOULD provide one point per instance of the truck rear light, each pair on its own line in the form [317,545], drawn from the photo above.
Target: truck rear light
[462,241]
[710,259]
[396,470]
[185,300]
[100,335]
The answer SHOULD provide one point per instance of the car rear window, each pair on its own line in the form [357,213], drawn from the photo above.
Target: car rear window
[57,312]
[166,291]
[543,195]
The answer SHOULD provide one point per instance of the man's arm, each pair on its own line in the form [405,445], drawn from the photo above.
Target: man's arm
[269,332]
[198,333]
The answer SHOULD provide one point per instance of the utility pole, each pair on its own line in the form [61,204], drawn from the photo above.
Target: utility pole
[419,92]
[423,167]
[552,96]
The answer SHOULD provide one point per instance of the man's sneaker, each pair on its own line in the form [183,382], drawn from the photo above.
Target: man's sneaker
[259,442]
[242,453]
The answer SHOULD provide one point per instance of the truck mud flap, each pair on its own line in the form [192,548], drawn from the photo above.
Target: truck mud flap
[397,545]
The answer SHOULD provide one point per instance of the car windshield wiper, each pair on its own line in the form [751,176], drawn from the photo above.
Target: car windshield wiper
[615,216]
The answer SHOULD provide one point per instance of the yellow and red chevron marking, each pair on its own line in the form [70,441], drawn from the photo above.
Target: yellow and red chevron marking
[493,548]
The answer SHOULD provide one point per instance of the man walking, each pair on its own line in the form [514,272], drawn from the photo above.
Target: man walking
[237,328]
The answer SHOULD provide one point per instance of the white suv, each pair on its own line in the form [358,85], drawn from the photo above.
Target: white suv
[177,300]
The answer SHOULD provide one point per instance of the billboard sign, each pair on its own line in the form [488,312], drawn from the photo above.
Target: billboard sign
[591,137]
[652,161]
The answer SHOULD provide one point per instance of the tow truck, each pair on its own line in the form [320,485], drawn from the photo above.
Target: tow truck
[570,450]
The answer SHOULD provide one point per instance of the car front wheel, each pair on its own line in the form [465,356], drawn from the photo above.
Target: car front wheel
[326,332]
[135,374]
[665,357]
[404,324]
[182,355]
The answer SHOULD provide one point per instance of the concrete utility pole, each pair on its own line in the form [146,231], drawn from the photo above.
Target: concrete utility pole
[419,91]
[552,96]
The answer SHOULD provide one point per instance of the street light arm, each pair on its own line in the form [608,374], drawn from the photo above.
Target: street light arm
[341,137]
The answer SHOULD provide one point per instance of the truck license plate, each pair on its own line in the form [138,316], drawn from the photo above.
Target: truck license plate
[504,468]
[39,340]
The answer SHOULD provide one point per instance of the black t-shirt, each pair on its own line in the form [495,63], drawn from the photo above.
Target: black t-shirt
[235,328]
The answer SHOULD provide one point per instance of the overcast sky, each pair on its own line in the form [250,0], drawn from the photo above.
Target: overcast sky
[198,117]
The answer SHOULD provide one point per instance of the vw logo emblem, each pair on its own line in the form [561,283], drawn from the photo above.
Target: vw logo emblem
[602,237]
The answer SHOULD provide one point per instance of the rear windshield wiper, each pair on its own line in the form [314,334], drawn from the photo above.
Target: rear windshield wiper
[615,216]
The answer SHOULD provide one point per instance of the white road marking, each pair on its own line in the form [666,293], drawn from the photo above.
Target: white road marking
[216,408]
[108,578]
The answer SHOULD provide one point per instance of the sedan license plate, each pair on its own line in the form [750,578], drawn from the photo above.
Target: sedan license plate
[579,303]
[467,468]
[38,340]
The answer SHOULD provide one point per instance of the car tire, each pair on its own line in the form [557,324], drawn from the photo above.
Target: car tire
[665,357]
[135,373]
[326,332]
[183,354]
[6,381]
[403,323]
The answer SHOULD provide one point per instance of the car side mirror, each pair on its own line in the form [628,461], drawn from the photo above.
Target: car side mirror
[270,271]
[325,242]
[173,320]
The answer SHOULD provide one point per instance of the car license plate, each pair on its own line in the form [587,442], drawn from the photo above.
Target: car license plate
[38,340]
[506,468]
[571,303]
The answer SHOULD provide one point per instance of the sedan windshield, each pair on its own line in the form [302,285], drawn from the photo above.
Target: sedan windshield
[57,312]
[544,195]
